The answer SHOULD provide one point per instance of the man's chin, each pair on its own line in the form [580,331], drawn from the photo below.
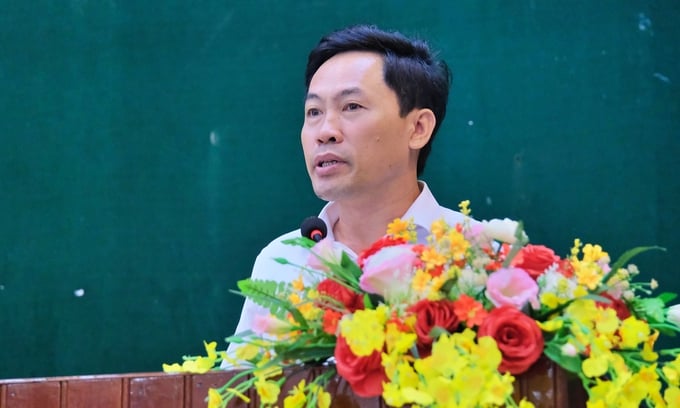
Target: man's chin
[326,192]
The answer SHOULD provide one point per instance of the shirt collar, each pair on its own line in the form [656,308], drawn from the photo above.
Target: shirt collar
[424,211]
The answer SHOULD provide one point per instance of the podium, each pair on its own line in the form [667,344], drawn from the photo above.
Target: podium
[545,384]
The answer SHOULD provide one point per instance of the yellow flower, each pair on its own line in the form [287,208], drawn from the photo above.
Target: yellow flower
[576,249]
[210,349]
[595,366]
[648,352]
[294,298]
[526,404]
[464,207]
[215,399]
[267,390]
[489,355]
[323,398]
[397,341]
[672,396]
[172,368]
[420,281]
[298,284]
[438,229]
[672,371]
[392,395]
[197,365]
[594,253]
[633,332]
[354,329]
[458,245]
[309,311]
[297,397]
[551,325]
[416,396]
[247,352]
[402,229]
[432,258]
[497,390]
[588,274]
[606,321]
[638,386]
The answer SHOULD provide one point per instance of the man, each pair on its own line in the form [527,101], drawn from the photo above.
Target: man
[374,103]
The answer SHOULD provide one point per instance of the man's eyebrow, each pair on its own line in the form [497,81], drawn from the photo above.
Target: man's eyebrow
[341,94]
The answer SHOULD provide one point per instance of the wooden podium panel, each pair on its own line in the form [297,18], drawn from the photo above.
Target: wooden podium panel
[545,384]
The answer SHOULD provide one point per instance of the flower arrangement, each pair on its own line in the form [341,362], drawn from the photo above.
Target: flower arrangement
[475,304]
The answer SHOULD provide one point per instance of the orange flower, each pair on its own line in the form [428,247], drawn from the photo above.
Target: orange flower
[330,321]
[469,310]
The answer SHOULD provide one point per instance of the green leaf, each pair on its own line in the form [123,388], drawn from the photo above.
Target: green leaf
[437,331]
[626,257]
[650,309]
[349,265]
[667,297]
[266,294]
[300,241]
[667,329]
[554,352]
[306,354]
[282,261]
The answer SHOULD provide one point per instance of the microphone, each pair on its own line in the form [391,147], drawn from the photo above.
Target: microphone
[313,228]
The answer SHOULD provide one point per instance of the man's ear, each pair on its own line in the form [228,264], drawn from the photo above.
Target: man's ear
[423,125]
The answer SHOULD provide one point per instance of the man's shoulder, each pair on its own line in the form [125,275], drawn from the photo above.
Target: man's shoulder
[267,265]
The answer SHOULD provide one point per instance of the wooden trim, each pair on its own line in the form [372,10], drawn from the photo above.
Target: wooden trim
[545,384]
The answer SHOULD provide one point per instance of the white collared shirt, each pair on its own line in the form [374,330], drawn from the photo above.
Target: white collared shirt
[424,211]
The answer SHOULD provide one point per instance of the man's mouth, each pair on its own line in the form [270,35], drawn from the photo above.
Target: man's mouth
[328,163]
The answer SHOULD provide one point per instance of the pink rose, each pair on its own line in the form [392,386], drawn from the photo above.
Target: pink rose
[269,324]
[513,287]
[323,250]
[388,272]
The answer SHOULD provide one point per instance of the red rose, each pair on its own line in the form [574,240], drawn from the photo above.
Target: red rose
[364,374]
[352,300]
[383,242]
[618,305]
[430,314]
[565,267]
[535,259]
[518,337]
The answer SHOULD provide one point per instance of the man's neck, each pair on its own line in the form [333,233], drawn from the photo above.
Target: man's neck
[361,223]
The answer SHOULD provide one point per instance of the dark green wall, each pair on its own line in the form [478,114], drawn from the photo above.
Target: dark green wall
[150,151]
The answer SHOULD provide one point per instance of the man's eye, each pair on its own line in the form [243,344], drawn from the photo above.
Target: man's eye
[313,112]
[352,106]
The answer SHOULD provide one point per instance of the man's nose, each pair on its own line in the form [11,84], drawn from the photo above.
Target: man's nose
[329,132]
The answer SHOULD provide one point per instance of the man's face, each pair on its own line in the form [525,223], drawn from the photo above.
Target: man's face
[355,143]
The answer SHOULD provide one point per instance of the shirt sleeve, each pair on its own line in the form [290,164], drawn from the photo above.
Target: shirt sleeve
[266,268]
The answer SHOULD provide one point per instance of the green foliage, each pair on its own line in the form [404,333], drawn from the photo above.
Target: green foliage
[267,293]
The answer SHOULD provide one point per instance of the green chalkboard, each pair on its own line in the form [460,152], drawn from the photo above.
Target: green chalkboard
[149,151]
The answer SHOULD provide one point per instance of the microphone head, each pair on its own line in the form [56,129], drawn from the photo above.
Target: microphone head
[313,228]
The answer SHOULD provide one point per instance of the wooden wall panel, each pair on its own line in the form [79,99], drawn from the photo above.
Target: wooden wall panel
[545,384]
[95,392]
[43,394]
[162,391]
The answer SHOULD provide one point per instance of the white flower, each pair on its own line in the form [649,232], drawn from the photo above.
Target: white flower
[501,230]
[673,315]
[569,350]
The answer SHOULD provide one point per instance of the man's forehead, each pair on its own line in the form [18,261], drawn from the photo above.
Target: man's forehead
[349,73]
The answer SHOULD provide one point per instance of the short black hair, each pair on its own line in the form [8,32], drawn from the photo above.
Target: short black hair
[415,73]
